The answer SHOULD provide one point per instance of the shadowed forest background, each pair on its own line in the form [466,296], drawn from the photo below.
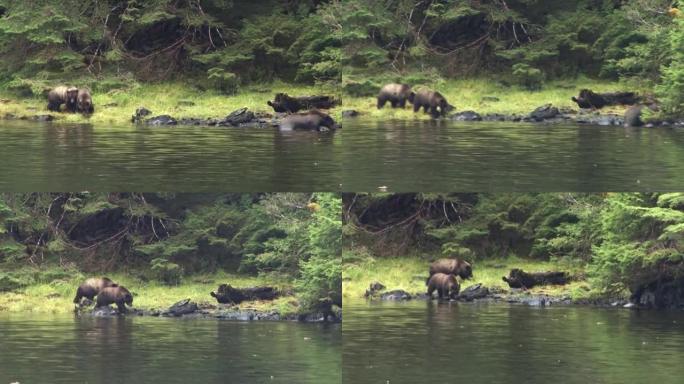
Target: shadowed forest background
[193,242]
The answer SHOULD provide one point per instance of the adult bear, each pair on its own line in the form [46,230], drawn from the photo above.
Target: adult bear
[432,102]
[454,266]
[91,287]
[312,120]
[115,295]
[84,101]
[445,284]
[396,94]
[63,95]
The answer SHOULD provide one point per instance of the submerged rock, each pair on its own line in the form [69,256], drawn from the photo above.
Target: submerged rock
[395,295]
[466,116]
[544,112]
[473,292]
[161,120]
[183,307]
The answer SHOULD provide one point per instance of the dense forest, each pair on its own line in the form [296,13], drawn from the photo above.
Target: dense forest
[625,240]
[527,41]
[170,237]
[214,44]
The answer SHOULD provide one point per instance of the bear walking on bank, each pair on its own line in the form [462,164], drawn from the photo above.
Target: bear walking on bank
[445,285]
[115,295]
[432,102]
[92,287]
[396,94]
[458,267]
[63,95]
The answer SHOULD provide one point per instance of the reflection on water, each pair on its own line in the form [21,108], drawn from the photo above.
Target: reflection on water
[63,349]
[429,342]
[46,157]
[417,155]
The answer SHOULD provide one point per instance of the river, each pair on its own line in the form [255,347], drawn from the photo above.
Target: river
[66,349]
[430,342]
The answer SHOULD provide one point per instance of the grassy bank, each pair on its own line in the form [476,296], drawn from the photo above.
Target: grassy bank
[117,106]
[468,94]
[410,273]
[53,291]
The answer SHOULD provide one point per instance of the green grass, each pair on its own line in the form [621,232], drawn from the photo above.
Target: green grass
[467,94]
[56,296]
[117,106]
[410,273]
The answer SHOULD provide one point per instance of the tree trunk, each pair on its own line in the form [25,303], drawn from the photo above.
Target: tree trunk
[285,103]
[590,99]
[226,294]
[517,278]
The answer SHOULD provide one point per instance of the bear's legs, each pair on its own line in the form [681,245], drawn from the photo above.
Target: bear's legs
[121,306]
[54,106]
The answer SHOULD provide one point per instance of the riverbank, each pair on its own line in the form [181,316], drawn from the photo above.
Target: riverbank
[182,101]
[488,97]
[408,274]
[53,290]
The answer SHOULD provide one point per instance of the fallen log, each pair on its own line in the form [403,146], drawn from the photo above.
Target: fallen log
[590,99]
[226,294]
[285,103]
[518,278]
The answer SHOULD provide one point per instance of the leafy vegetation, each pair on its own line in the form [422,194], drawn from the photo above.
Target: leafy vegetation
[624,240]
[173,238]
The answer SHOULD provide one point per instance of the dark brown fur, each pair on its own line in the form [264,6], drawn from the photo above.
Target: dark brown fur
[63,95]
[445,285]
[84,101]
[457,267]
[312,120]
[91,287]
[396,94]
[432,102]
[115,295]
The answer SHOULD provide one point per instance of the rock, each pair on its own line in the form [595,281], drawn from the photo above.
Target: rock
[489,98]
[544,112]
[238,117]
[161,120]
[193,121]
[350,113]
[608,120]
[104,312]
[396,295]
[247,315]
[181,308]
[473,292]
[139,114]
[466,116]
[496,117]
[185,103]
[42,117]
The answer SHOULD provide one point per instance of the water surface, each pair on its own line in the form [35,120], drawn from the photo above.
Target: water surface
[418,155]
[430,342]
[57,157]
[65,349]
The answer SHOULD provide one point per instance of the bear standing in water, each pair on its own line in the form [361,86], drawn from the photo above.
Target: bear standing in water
[446,286]
[84,102]
[452,266]
[312,120]
[92,287]
[432,102]
[115,295]
[63,95]
[396,94]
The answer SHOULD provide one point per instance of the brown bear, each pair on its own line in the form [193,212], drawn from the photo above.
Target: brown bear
[63,95]
[445,284]
[432,102]
[115,295]
[91,287]
[84,101]
[633,116]
[454,266]
[396,94]
[313,120]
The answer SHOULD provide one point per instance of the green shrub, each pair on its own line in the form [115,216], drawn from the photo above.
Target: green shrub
[167,272]
[527,76]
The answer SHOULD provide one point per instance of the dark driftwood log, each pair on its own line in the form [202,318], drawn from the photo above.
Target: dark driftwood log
[590,99]
[518,278]
[285,103]
[225,294]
